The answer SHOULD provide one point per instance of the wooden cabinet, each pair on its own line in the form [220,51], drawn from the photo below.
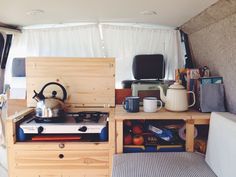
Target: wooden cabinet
[59,159]
[90,85]
[191,118]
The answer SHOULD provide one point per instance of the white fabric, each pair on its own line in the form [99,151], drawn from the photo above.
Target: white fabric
[2,137]
[18,88]
[3,115]
[3,157]
[121,42]
[3,172]
[124,42]
[75,41]
[221,147]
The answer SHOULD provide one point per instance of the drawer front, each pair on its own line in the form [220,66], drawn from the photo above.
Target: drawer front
[60,173]
[57,146]
[65,159]
[42,176]
[87,176]
[79,175]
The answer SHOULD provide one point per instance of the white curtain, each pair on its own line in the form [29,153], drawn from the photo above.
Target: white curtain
[124,42]
[112,40]
[73,41]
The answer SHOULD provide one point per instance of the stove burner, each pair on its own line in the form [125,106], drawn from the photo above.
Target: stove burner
[89,116]
[71,123]
[79,117]
[49,120]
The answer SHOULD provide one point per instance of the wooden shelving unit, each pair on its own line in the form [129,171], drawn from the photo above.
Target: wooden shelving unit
[190,117]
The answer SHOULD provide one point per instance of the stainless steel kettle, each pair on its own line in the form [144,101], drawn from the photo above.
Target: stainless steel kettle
[50,107]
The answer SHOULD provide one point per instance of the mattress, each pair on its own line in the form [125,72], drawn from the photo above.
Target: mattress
[171,164]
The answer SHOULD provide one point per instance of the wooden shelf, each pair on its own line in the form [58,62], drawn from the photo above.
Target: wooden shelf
[191,118]
[121,114]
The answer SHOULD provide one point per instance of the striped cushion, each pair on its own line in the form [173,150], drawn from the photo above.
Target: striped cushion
[172,164]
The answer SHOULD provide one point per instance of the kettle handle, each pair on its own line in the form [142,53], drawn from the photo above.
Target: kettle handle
[194,98]
[54,83]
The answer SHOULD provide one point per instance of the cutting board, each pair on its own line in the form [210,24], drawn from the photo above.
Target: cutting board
[90,82]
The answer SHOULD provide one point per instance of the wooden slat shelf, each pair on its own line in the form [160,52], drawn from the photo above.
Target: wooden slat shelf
[191,117]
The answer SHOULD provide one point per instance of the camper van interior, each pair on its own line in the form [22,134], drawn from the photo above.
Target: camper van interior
[117,88]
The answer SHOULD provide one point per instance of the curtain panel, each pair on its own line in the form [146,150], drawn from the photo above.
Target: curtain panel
[124,42]
[108,40]
[75,41]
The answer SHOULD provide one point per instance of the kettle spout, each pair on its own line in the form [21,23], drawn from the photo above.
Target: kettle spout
[162,94]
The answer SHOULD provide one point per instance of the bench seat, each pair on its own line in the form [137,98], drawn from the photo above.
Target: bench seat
[171,164]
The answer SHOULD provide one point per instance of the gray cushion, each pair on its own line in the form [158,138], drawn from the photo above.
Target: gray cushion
[18,67]
[172,164]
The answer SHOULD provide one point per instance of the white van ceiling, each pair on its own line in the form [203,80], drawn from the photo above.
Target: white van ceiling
[168,12]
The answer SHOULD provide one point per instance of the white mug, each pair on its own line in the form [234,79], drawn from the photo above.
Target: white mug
[150,104]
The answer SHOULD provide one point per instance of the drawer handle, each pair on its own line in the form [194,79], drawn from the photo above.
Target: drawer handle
[61,145]
[61,156]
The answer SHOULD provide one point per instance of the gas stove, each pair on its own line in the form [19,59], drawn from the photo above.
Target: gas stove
[71,123]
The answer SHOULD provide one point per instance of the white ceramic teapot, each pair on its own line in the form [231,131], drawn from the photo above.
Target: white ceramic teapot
[176,97]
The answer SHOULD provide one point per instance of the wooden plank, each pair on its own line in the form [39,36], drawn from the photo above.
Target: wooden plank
[189,136]
[76,175]
[121,114]
[57,146]
[50,175]
[201,121]
[19,115]
[112,139]
[199,115]
[88,81]
[15,105]
[80,94]
[73,172]
[54,159]
[119,136]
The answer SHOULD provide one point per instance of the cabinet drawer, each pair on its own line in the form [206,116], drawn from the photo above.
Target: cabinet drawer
[57,146]
[64,159]
[87,176]
[28,175]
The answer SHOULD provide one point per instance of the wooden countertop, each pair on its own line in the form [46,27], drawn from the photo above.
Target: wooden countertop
[14,106]
[121,114]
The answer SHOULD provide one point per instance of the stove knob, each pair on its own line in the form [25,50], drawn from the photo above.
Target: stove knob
[83,129]
[61,145]
[40,129]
